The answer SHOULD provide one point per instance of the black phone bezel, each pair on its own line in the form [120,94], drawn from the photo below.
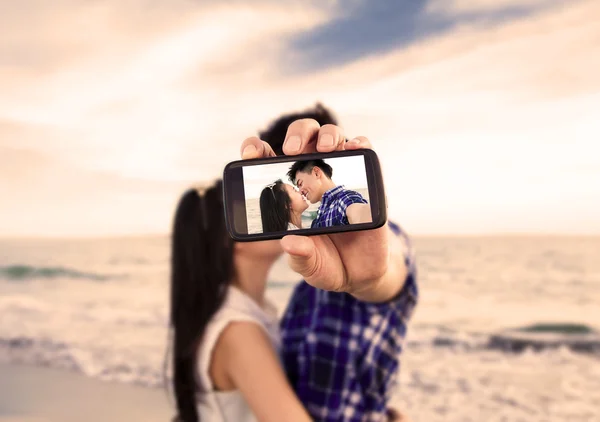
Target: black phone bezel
[235,202]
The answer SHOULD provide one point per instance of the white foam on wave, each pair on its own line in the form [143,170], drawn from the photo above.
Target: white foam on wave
[105,341]
[20,304]
[96,363]
[116,338]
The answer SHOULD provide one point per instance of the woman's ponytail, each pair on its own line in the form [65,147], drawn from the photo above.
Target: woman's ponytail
[201,270]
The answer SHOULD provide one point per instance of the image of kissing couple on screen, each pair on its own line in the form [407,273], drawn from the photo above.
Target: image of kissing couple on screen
[312,199]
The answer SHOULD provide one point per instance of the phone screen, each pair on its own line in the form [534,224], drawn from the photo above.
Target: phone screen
[304,194]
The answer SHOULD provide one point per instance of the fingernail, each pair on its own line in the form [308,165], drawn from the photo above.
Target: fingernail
[326,140]
[250,149]
[293,143]
[354,141]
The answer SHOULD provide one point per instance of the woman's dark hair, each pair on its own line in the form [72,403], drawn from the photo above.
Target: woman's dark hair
[275,208]
[201,269]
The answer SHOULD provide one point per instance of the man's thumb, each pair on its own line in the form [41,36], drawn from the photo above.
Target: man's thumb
[302,254]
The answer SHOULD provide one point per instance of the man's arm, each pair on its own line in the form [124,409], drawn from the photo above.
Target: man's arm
[367,264]
[391,283]
[359,213]
[342,366]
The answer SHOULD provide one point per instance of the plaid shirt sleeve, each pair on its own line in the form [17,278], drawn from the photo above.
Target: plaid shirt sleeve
[350,198]
[342,355]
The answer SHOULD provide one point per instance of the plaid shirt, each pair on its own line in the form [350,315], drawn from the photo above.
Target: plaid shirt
[342,356]
[332,211]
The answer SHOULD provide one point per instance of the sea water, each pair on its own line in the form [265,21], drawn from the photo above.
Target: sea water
[100,307]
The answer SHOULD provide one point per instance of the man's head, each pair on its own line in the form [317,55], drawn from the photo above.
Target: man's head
[313,178]
[275,134]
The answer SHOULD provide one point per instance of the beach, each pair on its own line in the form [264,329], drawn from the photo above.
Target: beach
[83,329]
[29,393]
[439,385]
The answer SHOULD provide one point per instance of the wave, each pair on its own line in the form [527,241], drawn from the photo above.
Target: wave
[60,355]
[576,337]
[28,272]
[579,338]
[134,364]
[120,316]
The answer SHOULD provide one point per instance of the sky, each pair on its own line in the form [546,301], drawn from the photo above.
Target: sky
[347,171]
[485,113]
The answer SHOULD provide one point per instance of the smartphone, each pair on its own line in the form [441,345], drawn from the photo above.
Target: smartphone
[308,194]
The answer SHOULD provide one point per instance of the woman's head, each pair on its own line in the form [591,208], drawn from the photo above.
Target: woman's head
[202,255]
[279,202]
[299,204]
[203,265]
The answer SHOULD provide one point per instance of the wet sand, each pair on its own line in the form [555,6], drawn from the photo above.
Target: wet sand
[32,394]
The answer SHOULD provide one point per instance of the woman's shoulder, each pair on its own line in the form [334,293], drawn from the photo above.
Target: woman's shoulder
[239,307]
[238,312]
[239,304]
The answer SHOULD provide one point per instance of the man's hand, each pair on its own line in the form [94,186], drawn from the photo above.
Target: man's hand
[367,264]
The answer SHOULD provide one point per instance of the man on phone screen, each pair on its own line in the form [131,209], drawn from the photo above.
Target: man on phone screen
[339,206]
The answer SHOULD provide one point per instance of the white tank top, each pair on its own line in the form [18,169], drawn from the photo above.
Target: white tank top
[230,406]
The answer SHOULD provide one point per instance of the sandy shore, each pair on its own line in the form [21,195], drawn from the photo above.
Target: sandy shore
[442,384]
[31,394]
[437,384]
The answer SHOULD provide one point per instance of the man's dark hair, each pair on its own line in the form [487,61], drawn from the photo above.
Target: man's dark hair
[275,134]
[306,166]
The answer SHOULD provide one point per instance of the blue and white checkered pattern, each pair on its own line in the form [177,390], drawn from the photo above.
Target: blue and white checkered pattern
[342,356]
[332,211]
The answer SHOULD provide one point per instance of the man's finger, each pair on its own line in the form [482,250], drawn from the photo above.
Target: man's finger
[302,254]
[255,148]
[360,142]
[330,138]
[301,136]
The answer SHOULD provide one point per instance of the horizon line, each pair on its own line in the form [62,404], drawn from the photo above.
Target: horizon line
[413,235]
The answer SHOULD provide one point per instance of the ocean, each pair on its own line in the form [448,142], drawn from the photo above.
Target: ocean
[99,307]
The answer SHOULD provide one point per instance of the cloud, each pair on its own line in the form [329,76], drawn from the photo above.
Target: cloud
[475,79]
[458,7]
[473,117]
[134,107]
[125,62]
[364,29]
[44,196]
